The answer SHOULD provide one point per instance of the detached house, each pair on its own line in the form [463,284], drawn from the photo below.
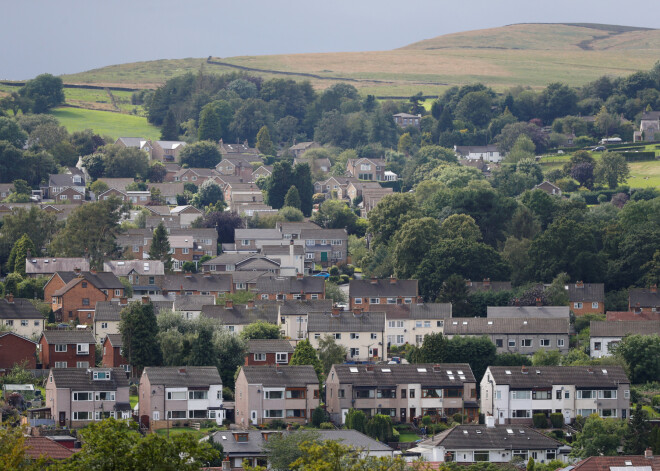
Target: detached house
[369,169]
[59,183]
[549,188]
[642,300]
[403,120]
[20,316]
[402,392]
[368,294]
[67,349]
[79,396]
[264,393]
[167,151]
[489,153]
[586,298]
[190,393]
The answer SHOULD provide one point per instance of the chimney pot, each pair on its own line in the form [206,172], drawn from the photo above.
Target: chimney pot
[229,304]
[10,298]
[654,289]
[648,453]
[373,280]
[123,301]
[299,276]
[336,312]
[538,302]
[392,280]
[92,271]
[250,304]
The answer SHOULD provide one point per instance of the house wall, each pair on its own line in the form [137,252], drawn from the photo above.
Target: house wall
[605,346]
[112,357]
[374,341]
[51,286]
[17,350]
[100,332]
[32,327]
[49,356]
[71,302]
[555,342]
[366,304]
[593,307]
[271,360]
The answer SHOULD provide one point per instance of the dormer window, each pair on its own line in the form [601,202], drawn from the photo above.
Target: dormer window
[241,437]
[101,375]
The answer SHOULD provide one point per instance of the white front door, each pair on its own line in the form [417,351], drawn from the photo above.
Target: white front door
[253,417]
[502,418]
[156,415]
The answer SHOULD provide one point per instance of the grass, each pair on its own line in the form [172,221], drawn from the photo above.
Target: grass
[644,174]
[105,123]
[133,401]
[408,437]
[184,430]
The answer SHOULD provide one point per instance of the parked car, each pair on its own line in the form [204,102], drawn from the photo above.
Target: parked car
[598,149]
[323,274]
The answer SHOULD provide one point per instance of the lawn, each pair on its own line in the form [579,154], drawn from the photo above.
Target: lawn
[644,174]
[105,123]
[133,400]
[405,437]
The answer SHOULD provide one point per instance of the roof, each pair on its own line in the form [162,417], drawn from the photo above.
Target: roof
[100,280]
[34,265]
[304,145]
[321,233]
[644,297]
[197,282]
[64,179]
[586,292]
[132,141]
[516,377]
[632,316]
[180,376]
[107,311]
[653,115]
[115,340]
[142,267]
[606,463]
[81,379]
[240,314]
[240,234]
[60,337]
[192,303]
[487,285]
[528,312]
[229,258]
[482,437]
[290,284]
[281,376]
[117,183]
[284,249]
[38,447]
[269,346]
[171,144]
[427,374]
[382,288]
[346,321]
[18,309]
[406,115]
[181,241]
[2,334]
[299,307]
[417,311]
[480,326]
[623,328]
[464,150]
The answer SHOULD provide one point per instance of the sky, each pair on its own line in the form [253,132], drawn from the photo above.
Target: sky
[69,36]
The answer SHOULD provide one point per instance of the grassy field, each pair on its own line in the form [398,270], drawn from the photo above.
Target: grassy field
[105,123]
[529,55]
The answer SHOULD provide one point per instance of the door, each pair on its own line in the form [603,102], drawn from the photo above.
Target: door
[324,256]
[62,419]
[413,412]
[156,415]
[253,417]
[403,414]
[374,352]
[501,418]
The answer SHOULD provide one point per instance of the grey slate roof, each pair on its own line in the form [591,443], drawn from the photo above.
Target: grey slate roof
[346,321]
[417,311]
[240,314]
[229,258]
[321,233]
[496,438]
[18,309]
[290,284]
[108,311]
[270,250]
[644,297]
[115,340]
[61,337]
[426,374]
[180,376]
[382,288]
[142,267]
[269,346]
[294,307]
[80,379]
[240,234]
[36,266]
[580,376]
[192,303]
[586,292]
[100,280]
[197,282]
[480,326]
[623,328]
[528,312]
[281,376]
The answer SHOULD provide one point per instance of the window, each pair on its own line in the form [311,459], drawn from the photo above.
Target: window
[82,396]
[395,324]
[259,357]
[354,335]
[355,352]
[82,415]
[309,256]
[176,395]
[37,323]
[374,300]
[9,322]
[117,292]
[481,455]
[273,414]
[317,336]
[295,413]
[63,197]
[282,357]
[427,324]
[76,197]
[101,375]
[374,336]
[626,394]
[607,394]
[273,394]
[521,454]
[85,302]
[358,301]
[521,414]
[431,392]
[545,342]
[550,455]
[454,393]
[558,394]
[185,250]
[198,395]
[104,396]
[512,343]
[341,393]
[577,305]
[24,322]
[310,242]
[560,342]
[440,323]
[499,343]
[296,394]
[364,394]
[392,301]
[521,394]
[82,349]
[586,412]
[540,395]
[399,339]
[403,394]
[526,343]
[104,325]
[588,394]
[177,414]
[264,296]
[60,364]
[594,305]
[389,393]
[419,339]
[337,336]
[607,412]
[82,364]
[597,345]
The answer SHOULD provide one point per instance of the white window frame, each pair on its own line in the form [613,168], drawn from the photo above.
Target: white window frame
[594,305]
[358,301]
[560,342]
[281,357]
[259,357]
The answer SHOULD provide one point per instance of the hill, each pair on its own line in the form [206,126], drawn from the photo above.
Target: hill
[523,54]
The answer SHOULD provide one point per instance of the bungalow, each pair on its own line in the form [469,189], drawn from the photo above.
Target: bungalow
[488,153]
[549,188]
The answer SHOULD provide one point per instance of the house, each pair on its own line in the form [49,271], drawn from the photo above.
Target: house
[370,199]
[113,193]
[196,284]
[248,445]
[44,266]
[333,184]
[16,350]
[325,247]
[367,169]
[20,316]
[58,182]
[139,198]
[649,127]
[514,394]
[490,443]
[355,189]
[188,214]
[300,148]
[292,316]
[253,239]
[644,299]
[487,285]
[112,357]
[143,275]
[632,316]
[232,262]
[190,307]
[253,209]
[107,318]
[136,142]
[75,300]
[167,151]
[548,188]
[196,176]
[5,190]
[514,335]
[366,293]
[291,257]
[604,335]
[237,194]
[287,288]
[233,150]
[120,184]
[264,393]
[403,120]
[46,448]
[67,349]
[80,396]
[528,312]
[69,195]
[262,171]
[247,280]
[410,323]
[647,462]
[198,242]
[190,393]
[489,153]
[361,333]
[586,298]
[168,191]
[268,352]
[402,392]
[235,317]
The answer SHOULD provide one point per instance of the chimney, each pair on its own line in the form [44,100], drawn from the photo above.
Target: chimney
[291,251]
[523,370]
[490,421]
[516,302]
[392,280]
[123,301]
[648,453]
[92,271]
[10,298]
[538,302]
[579,284]
[373,280]
[336,312]
[181,292]
[654,289]
[357,312]
[229,304]
[145,299]
[299,276]
[468,283]
[486,282]
[76,270]
[250,304]
[182,371]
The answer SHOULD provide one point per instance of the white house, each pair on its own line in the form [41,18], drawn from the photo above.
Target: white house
[604,335]
[489,153]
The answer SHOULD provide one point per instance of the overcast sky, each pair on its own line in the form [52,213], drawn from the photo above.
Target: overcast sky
[69,36]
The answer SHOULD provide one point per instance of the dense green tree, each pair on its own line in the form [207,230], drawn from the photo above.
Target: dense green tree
[202,352]
[454,291]
[479,352]
[138,329]
[11,132]
[279,183]
[9,156]
[334,292]
[264,142]
[157,172]
[641,354]
[556,100]
[460,226]
[304,354]
[202,154]
[331,353]
[37,224]
[390,214]
[160,246]
[546,358]
[411,244]
[511,132]
[284,449]
[225,222]
[292,198]
[356,420]
[19,254]
[598,437]
[457,176]
[612,169]
[302,179]
[379,427]
[250,117]
[335,214]
[230,351]
[523,148]
[210,126]
[170,129]
[433,348]
[209,193]
[637,436]
[261,330]
[44,91]
[475,108]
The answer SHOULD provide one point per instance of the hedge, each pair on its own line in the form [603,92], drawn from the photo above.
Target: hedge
[557,420]
[540,420]
[638,156]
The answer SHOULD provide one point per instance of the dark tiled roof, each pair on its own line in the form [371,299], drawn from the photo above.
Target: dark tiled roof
[528,312]
[270,250]
[478,286]
[197,282]
[422,373]
[346,321]
[586,292]
[142,267]
[61,337]
[81,379]
[482,437]
[382,288]
[580,376]
[417,311]
[108,311]
[18,309]
[115,340]
[240,234]
[192,303]
[100,280]
[323,234]
[644,297]
[269,346]
[290,284]
[281,376]
[179,376]
[240,314]
[623,328]
[294,308]
[606,463]
[51,265]
[44,447]
[480,325]
[229,258]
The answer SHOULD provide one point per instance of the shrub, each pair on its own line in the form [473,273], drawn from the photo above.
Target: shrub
[540,420]
[344,279]
[319,416]
[356,420]
[426,420]
[557,420]
[379,427]
[458,418]
[334,279]
[656,400]
[133,390]
[334,271]
[326,426]
[395,436]
[277,424]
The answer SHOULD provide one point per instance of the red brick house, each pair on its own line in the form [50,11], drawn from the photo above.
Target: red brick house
[15,349]
[268,352]
[197,283]
[365,293]
[644,300]
[586,298]
[67,349]
[69,195]
[113,192]
[112,357]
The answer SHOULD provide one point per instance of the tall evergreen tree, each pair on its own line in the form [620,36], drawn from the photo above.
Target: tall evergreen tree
[139,329]
[202,353]
[278,184]
[160,246]
[264,143]
[304,354]
[18,254]
[292,198]
[210,128]
[170,130]
[302,179]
